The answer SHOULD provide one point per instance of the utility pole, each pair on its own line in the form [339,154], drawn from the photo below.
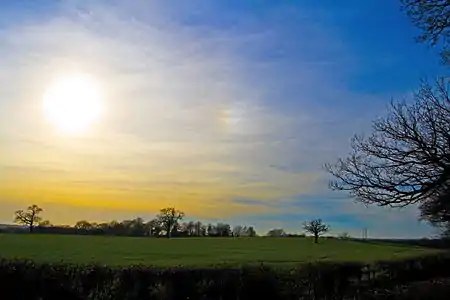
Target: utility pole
[364,233]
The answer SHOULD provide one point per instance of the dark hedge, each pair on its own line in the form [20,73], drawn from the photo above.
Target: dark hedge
[383,280]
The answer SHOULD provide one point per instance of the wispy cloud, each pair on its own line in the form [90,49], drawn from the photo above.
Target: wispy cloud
[221,121]
[182,125]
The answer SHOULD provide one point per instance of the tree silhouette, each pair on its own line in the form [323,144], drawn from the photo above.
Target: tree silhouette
[316,228]
[406,159]
[45,223]
[238,231]
[137,227]
[168,217]
[344,236]
[30,217]
[154,227]
[250,231]
[433,19]
[200,229]
[84,225]
[223,229]
[210,230]
[276,232]
[167,223]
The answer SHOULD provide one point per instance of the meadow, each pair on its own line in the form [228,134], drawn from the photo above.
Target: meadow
[195,252]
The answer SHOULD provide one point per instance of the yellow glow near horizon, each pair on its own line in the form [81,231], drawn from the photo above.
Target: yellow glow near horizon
[73,103]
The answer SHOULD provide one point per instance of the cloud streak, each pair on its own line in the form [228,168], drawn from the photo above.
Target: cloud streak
[220,121]
[182,126]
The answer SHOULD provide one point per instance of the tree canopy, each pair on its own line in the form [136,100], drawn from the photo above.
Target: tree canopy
[316,228]
[406,159]
[433,19]
[29,217]
[168,218]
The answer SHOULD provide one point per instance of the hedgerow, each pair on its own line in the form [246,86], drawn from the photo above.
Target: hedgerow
[22,279]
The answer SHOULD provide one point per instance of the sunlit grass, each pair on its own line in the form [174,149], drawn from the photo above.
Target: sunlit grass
[123,251]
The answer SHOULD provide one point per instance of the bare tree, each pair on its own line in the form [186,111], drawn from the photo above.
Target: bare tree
[84,225]
[238,231]
[316,227]
[250,231]
[30,217]
[223,229]
[199,228]
[344,236]
[276,232]
[433,19]
[168,217]
[190,228]
[45,223]
[154,227]
[244,231]
[210,230]
[137,227]
[406,159]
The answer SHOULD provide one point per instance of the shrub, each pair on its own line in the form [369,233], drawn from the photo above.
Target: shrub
[382,280]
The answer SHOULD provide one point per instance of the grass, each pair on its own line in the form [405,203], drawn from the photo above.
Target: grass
[123,251]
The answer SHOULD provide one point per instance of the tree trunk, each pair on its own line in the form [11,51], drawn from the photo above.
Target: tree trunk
[32,221]
[316,238]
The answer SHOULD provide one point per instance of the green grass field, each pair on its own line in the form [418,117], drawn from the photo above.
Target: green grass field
[121,251]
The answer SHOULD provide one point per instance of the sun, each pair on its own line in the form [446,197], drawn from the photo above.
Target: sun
[73,103]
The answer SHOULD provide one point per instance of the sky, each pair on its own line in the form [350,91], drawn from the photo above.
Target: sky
[226,110]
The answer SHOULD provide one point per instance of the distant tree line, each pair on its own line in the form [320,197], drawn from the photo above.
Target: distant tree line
[168,223]
[160,228]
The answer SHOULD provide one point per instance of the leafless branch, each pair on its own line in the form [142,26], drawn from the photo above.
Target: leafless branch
[406,159]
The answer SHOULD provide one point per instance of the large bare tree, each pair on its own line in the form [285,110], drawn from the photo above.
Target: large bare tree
[29,217]
[316,228]
[432,17]
[168,218]
[406,159]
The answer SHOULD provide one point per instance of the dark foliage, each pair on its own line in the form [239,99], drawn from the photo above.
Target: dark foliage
[137,227]
[383,280]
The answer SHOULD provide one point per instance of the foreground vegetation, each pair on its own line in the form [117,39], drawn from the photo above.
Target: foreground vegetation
[383,280]
[205,251]
[108,267]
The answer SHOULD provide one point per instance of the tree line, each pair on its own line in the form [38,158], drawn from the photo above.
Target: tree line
[168,223]
[406,158]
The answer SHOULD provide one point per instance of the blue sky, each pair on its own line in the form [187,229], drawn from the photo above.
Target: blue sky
[226,109]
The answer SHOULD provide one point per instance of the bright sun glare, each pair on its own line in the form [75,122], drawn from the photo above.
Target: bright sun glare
[72,104]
